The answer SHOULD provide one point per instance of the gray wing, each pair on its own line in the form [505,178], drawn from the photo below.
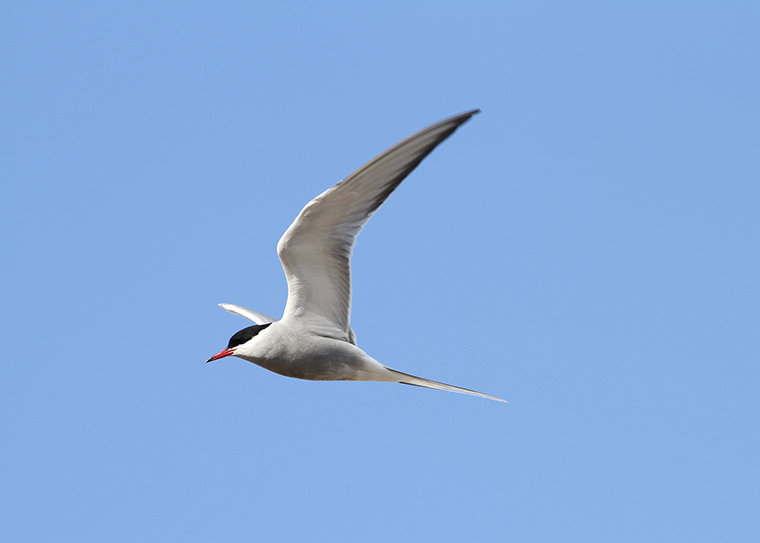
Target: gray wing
[316,249]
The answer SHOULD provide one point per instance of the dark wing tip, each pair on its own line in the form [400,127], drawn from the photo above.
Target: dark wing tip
[461,117]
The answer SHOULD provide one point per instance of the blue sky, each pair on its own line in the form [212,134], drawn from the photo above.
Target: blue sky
[586,248]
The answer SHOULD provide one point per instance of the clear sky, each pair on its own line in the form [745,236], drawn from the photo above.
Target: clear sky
[586,248]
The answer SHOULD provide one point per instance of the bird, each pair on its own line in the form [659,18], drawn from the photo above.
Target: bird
[314,340]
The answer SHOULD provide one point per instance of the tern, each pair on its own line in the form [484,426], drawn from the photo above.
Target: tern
[313,339]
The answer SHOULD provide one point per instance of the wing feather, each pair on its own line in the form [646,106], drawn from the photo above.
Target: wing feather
[255,316]
[316,249]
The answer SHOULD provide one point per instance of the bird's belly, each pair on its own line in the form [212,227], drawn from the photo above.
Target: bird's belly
[327,360]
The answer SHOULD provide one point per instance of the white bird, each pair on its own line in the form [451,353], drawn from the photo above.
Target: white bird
[314,339]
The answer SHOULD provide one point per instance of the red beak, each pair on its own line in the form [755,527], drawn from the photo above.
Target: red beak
[220,354]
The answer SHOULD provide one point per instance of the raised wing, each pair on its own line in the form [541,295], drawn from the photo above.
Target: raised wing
[316,249]
[255,316]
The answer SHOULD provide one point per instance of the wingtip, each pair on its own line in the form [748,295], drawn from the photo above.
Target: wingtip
[462,118]
[468,114]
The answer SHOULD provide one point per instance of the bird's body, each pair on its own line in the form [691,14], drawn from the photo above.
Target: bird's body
[289,349]
[314,339]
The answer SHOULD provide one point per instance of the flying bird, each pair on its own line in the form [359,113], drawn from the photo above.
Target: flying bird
[314,339]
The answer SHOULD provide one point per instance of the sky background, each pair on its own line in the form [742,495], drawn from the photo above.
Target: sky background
[586,248]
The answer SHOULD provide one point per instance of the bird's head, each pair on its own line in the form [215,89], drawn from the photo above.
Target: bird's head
[239,341]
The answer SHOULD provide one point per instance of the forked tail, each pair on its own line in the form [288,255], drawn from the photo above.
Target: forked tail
[407,379]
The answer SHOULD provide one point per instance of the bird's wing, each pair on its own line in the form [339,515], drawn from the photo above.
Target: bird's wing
[316,249]
[255,316]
